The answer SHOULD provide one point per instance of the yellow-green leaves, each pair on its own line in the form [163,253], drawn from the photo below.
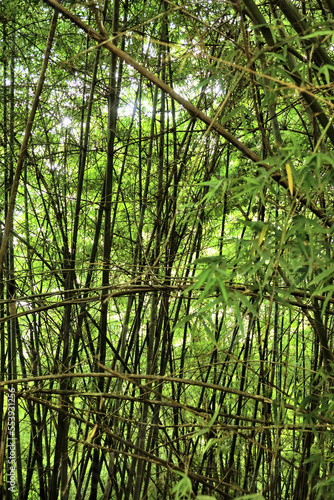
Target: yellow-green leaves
[290,180]
[262,234]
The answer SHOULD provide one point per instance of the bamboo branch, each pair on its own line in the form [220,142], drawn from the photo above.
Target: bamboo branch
[194,112]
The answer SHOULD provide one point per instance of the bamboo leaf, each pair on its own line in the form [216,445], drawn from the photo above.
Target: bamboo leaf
[290,180]
[323,275]
[262,234]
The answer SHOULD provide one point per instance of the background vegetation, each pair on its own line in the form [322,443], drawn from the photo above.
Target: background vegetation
[166,259]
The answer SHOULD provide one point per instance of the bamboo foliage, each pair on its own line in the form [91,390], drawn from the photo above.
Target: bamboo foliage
[166,255]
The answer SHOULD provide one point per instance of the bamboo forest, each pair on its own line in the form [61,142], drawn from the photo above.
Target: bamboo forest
[166,249]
